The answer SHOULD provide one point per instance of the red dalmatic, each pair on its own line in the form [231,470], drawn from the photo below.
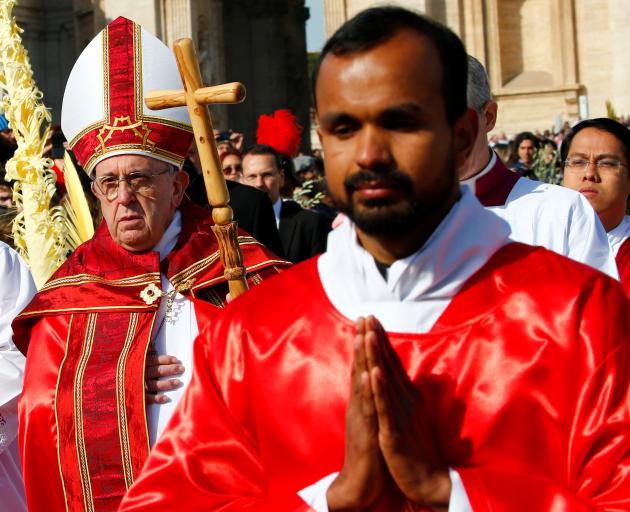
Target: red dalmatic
[623,264]
[524,378]
[83,431]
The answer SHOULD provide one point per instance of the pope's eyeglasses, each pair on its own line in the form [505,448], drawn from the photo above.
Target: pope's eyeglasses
[139,182]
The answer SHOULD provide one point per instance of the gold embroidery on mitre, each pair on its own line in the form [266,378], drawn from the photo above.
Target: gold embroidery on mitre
[140,129]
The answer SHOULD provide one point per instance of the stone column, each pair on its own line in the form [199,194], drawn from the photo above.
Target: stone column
[209,37]
[619,20]
[177,20]
[335,14]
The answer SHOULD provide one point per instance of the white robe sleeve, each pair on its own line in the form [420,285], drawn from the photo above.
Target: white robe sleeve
[315,495]
[588,242]
[16,292]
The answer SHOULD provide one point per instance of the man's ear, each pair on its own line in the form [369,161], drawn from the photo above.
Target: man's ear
[281,174]
[490,116]
[180,184]
[465,134]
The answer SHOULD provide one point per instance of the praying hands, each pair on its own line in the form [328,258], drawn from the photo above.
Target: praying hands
[387,434]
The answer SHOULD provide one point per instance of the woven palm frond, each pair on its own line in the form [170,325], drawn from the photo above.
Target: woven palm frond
[39,231]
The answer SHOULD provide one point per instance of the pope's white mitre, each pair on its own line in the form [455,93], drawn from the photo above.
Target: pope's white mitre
[103,112]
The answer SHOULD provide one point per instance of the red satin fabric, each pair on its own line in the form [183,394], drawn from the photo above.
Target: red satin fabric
[623,264]
[90,396]
[524,377]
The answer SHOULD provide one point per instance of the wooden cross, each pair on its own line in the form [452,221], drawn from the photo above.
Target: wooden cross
[196,98]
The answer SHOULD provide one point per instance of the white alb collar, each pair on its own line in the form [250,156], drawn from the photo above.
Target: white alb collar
[169,238]
[461,245]
[618,235]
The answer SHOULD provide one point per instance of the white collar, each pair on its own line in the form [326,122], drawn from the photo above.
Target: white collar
[169,238]
[461,245]
[618,235]
[471,182]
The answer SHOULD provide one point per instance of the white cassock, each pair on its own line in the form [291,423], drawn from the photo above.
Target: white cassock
[16,291]
[174,337]
[550,216]
[618,235]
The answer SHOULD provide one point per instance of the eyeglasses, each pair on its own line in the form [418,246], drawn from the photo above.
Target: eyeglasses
[604,165]
[238,168]
[139,182]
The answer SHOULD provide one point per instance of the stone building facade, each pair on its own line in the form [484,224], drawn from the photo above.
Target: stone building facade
[261,43]
[549,61]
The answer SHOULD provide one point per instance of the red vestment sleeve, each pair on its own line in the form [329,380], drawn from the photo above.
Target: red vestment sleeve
[597,464]
[40,464]
[205,460]
[623,264]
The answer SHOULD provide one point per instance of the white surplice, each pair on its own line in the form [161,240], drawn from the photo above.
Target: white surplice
[619,234]
[554,217]
[16,291]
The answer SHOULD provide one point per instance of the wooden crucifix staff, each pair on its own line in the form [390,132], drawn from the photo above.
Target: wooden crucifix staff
[196,98]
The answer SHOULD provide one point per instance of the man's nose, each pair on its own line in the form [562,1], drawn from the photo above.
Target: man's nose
[590,173]
[373,148]
[125,194]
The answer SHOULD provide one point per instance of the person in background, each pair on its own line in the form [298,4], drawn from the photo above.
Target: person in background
[524,147]
[596,158]
[16,292]
[303,233]
[538,213]
[232,164]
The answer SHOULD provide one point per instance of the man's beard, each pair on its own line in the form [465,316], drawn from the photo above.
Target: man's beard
[389,217]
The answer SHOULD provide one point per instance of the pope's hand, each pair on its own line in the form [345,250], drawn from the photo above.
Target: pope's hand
[404,436]
[362,477]
[157,368]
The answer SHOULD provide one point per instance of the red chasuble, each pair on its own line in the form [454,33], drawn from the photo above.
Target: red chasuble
[83,431]
[623,264]
[524,377]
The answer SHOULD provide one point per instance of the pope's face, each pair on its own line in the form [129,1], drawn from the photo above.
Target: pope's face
[390,151]
[137,219]
[607,189]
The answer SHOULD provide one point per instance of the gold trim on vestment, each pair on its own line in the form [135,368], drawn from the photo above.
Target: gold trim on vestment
[78,279]
[63,362]
[84,470]
[79,310]
[256,279]
[137,79]
[253,268]
[198,266]
[106,108]
[123,431]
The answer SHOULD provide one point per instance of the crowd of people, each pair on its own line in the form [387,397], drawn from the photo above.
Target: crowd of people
[432,322]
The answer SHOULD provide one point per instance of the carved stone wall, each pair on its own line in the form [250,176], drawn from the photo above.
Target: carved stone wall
[541,55]
[49,38]
[261,43]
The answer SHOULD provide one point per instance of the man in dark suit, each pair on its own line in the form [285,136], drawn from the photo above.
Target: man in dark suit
[252,208]
[303,233]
